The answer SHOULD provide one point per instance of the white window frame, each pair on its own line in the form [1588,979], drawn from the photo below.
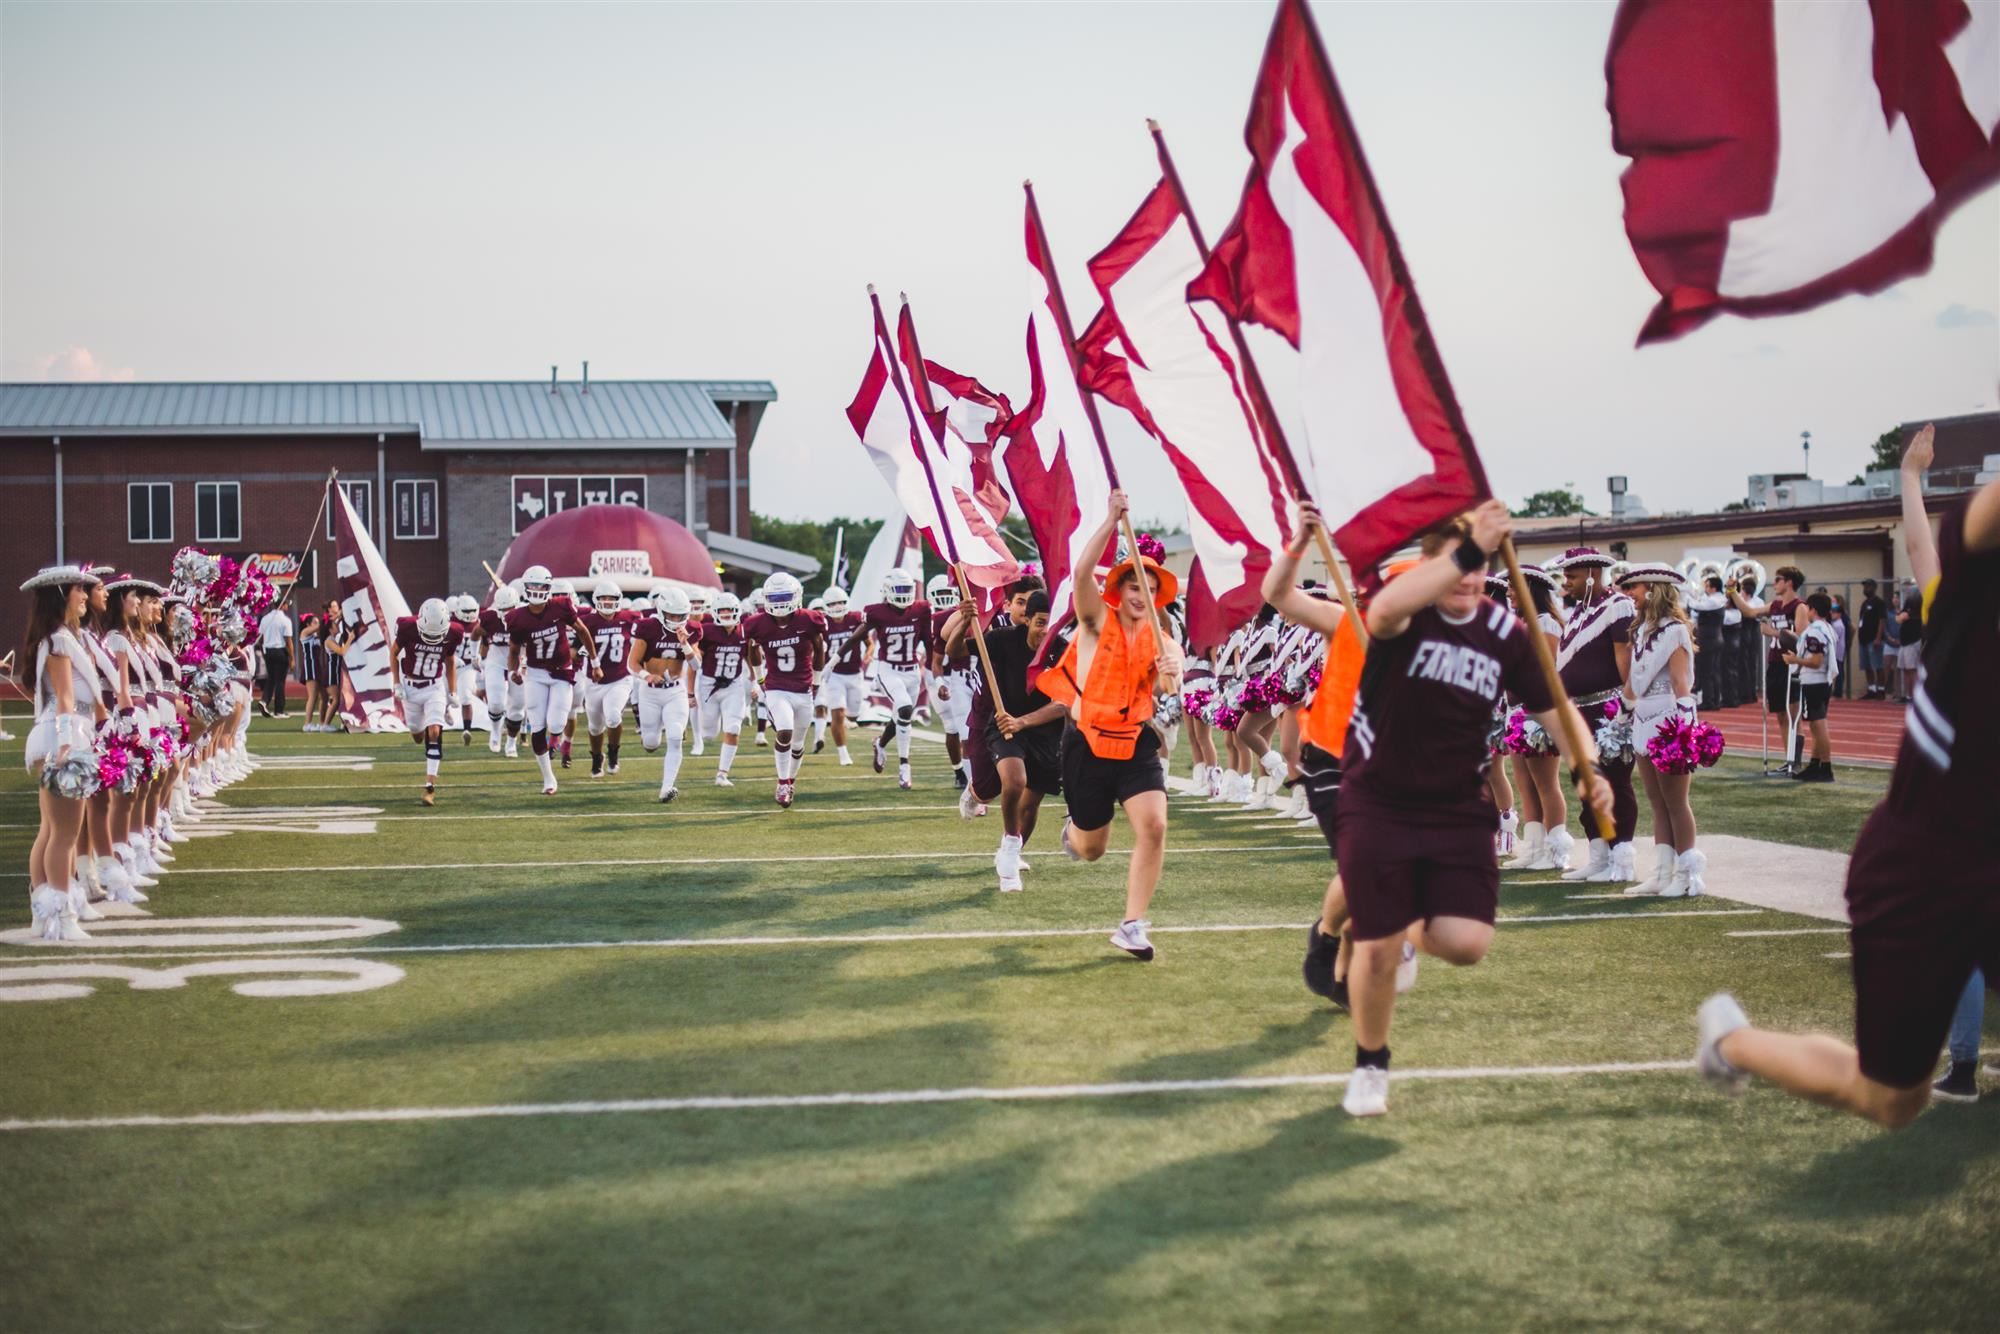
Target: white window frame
[218,537]
[361,494]
[416,486]
[150,487]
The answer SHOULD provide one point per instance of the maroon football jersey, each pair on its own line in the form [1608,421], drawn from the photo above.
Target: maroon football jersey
[1783,613]
[787,644]
[613,637]
[661,642]
[492,628]
[544,630]
[721,651]
[953,662]
[419,662]
[1588,657]
[1417,741]
[846,636]
[902,634]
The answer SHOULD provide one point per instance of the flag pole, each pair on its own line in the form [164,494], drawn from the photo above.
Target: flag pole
[498,582]
[1083,392]
[1566,715]
[1274,430]
[924,457]
[325,493]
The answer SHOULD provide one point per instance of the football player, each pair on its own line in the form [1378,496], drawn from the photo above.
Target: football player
[423,671]
[723,683]
[789,643]
[843,691]
[698,601]
[953,680]
[578,664]
[506,702]
[465,615]
[752,606]
[609,689]
[661,651]
[900,625]
[544,636]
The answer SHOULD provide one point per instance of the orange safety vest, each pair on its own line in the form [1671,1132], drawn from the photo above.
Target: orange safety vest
[1324,723]
[1117,700]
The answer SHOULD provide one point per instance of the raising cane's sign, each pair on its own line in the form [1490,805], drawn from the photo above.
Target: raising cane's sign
[282,568]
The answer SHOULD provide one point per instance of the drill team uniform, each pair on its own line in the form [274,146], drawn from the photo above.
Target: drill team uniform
[1414,830]
[421,664]
[1923,885]
[902,638]
[503,696]
[1587,661]
[544,634]
[956,682]
[1110,752]
[663,705]
[609,691]
[843,686]
[722,687]
[788,645]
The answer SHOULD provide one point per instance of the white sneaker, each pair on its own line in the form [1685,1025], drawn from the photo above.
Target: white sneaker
[1131,937]
[722,780]
[967,802]
[1063,840]
[697,748]
[1718,1017]
[493,740]
[1598,861]
[1367,1092]
[1010,884]
[845,758]
[761,741]
[1406,971]
[1663,873]
[1007,858]
[903,777]
[513,748]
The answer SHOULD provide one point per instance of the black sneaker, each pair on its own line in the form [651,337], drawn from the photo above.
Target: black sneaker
[1322,952]
[596,766]
[958,779]
[819,745]
[1817,772]
[1960,1083]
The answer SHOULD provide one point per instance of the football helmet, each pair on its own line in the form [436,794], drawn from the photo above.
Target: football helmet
[606,597]
[754,603]
[670,604]
[698,602]
[563,588]
[725,609]
[464,607]
[899,588]
[836,601]
[817,604]
[783,594]
[432,620]
[942,592]
[505,599]
[536,585]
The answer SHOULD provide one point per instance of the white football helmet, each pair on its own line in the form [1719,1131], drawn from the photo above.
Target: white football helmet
[726,610]
[754,603]
[606,597]
[505,599]
[563,588]
[671,604]
[783,594]
[464,608]
[836,601]
[433,619]
[817,604]
[899,588]
[536,585]
[698,602]
[942,592]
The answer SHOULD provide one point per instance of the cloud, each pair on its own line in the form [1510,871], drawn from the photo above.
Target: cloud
[79,364]
[1958,315]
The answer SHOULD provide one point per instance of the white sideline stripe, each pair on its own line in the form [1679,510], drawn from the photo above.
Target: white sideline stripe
[1797,931]
[352,868]
[681,816]
[884,1098]
[876,938]
[1842,954]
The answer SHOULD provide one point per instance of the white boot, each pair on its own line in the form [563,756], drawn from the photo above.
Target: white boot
[1560,844]
[1620,868]
[135,865]
[79,903]
[169,834]
[1301,809]
[86,871]
[156,844]
[1689,870]
[1598,861]
[1274,766]
[1199,781]
[1663,871]
[117,883]
[1532,844]
[54,919]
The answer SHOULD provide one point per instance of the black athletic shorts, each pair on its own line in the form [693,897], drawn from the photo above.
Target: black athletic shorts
[1926,912]
[1320,772]
[1777,682]
[1039,749]
[1815,697]
[1095,787]
[1397,873]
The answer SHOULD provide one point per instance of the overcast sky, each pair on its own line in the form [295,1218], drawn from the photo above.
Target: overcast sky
[689,191]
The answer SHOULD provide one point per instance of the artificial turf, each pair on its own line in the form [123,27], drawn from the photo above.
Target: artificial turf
[1629,1200]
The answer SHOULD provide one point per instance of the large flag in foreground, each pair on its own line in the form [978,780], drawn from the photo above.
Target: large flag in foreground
[1310,254]
[1161,358]
[1051,456]
[1784,155]
[961,421]
[369,600]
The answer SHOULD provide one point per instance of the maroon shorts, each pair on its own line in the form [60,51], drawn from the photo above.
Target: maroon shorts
[1926,912]
[979,758]
[1397,873]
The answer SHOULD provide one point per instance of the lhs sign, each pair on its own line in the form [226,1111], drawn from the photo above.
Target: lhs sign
[626,564]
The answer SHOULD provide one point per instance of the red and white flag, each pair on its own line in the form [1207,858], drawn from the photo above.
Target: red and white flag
[899,443]
[1310,254]
[1784,155]
[1163,360]
[370,600]
[1051,457]
[963,418]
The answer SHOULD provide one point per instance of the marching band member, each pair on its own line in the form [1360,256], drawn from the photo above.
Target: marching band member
[1662,687]
[1594,659]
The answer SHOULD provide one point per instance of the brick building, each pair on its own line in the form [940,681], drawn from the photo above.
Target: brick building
[444,473]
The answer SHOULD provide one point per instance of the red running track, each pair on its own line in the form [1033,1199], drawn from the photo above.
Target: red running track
[1864,731]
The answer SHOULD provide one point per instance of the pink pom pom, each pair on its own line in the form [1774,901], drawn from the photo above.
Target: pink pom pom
[1152,547]
[1611,707]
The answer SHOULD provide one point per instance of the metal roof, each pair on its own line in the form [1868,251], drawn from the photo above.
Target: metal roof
[447,414]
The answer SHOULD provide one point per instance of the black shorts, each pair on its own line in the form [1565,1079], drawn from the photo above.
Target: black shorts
[1039,749]
[1398,873]
[1814,699]
[1926,912]
[1094,787]
[1779,688]
[1320,772]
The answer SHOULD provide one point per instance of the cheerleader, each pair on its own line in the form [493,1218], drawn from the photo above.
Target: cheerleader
[1661,687]
[1197,689]
[117,630]
[61,751]
[1537,775]
[94,840]
[1300,647]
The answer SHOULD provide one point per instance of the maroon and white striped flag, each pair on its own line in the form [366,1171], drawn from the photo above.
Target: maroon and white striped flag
[1784,155]
[1162,359]
[1311,255]
[963,418]
[369,600]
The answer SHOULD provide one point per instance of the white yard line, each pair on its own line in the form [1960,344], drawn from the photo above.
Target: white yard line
[1797,931]
[678,814]
[788,1102]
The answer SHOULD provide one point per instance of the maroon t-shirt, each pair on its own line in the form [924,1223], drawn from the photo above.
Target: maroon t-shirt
[1416,746]
[421,662]
[612,636]
[544,630]
[845,637]
[721,651]
[953,662]
[1782,612]
[1588,656]
[788,644]
[902,634]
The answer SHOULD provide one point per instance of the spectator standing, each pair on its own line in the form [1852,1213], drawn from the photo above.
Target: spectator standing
[1910,634]
[1868,632]
[1838,621]
[1818,661]
[312,667]
[335,635]
[274,636]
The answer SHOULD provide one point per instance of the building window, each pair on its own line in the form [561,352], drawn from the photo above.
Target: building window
[416,509]
[360,495]
[218,512]
[538,496]
[149,511]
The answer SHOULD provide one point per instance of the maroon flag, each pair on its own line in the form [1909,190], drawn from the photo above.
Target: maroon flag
[962,419]
[1310,254]
[1784,155]
[371,604]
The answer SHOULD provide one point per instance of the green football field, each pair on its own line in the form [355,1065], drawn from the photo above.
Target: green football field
[595,1063]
